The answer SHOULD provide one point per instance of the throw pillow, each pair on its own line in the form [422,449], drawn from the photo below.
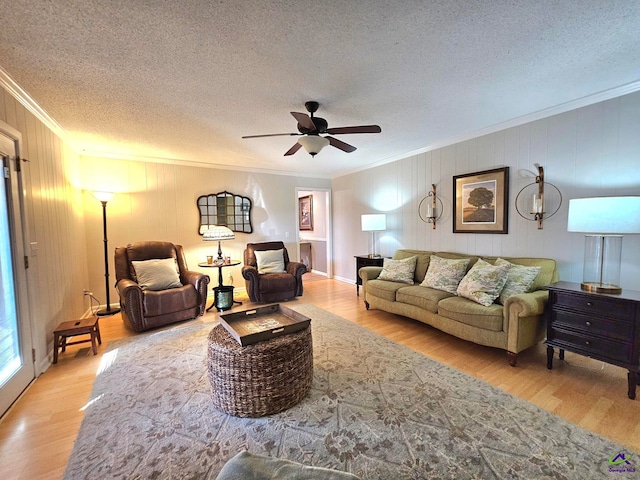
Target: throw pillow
[519,280]
[445,273]
[398,270]
[157,274]
[270,261]
[484,282]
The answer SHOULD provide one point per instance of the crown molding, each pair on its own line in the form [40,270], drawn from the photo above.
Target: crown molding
[602,96]
[30,104]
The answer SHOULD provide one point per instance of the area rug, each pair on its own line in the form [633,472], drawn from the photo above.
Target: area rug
[376,409]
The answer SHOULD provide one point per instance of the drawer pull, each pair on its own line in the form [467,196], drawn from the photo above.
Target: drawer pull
[587,343]
[587,323]
[589,304]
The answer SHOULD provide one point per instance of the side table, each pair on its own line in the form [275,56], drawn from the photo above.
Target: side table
[365,261]
[223,294]
[601,326]
[84,326]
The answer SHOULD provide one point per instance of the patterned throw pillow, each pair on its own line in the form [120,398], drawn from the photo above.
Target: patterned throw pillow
[519,280]
[444,273]
[484,282]
[398,270]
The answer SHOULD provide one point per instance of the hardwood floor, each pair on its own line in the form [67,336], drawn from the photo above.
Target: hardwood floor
[38,432]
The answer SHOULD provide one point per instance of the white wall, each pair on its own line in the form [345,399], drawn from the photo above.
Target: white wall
[591,151]
[157,201]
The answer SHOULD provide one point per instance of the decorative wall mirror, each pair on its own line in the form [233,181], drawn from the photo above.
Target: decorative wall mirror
[224,208]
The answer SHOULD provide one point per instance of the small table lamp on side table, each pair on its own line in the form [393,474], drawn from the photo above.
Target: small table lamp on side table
[223,294]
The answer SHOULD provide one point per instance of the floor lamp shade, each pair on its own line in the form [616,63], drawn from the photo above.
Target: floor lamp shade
[373,222]
[604,220]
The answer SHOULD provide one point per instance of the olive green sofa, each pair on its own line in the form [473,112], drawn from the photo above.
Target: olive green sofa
[516,326]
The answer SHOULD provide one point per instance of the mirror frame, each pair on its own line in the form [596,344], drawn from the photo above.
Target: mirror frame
[225,208]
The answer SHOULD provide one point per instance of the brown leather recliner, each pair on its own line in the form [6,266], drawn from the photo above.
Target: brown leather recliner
[271,287]
[145,309]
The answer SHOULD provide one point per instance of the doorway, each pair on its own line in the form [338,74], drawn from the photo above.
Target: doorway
[315,244]
[17,368]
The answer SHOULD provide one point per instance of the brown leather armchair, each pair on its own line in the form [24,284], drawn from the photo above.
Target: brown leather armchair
[145,309]
[271,287]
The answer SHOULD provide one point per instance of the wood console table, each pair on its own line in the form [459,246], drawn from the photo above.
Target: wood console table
[601,326]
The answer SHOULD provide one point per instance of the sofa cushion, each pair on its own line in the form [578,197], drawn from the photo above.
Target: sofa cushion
[519,280]
[471,313]
[384,289]
[157,274]
[484,282]
[398,270]
[422,297]
[445,274]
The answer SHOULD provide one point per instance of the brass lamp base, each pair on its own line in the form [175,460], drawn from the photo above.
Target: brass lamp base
[374,255]
[600,287]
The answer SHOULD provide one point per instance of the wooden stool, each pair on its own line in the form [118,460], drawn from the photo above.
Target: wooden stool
[84,326]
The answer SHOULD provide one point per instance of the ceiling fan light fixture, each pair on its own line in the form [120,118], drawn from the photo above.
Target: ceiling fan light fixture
[313,143]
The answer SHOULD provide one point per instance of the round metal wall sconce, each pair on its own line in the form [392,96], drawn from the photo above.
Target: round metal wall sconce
[430,208]
[537,213]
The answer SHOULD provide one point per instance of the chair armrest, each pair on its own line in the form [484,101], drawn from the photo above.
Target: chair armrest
[201,283]
[131,302]
[296,269]
[250,273]
[195,279]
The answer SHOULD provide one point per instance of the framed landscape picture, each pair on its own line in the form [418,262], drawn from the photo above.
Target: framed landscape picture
[481,202]
[305,209]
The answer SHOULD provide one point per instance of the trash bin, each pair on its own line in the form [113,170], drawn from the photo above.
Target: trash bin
[223,297]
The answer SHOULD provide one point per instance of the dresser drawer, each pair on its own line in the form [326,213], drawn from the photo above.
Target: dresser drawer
[607,327]
[592,346]
[597,305]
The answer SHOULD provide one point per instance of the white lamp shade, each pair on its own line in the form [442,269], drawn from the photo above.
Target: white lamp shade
[217,233]
[103,196]
[373,222]
[613,215]
[313,143]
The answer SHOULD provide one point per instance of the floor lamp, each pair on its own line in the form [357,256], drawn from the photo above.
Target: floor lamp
[104,197]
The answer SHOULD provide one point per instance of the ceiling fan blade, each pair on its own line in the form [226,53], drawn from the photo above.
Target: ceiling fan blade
[359,129]
[345,147]
[294,149]
[273,135]
[304,120]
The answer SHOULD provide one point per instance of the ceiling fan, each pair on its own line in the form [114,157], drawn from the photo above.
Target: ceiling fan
[310,128]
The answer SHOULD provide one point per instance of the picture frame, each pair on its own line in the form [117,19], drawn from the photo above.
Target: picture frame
[305,212]
[481,202]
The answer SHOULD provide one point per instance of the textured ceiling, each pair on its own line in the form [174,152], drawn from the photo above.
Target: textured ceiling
[185,80]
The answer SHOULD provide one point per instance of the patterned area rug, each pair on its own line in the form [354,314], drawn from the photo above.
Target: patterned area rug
[376,409]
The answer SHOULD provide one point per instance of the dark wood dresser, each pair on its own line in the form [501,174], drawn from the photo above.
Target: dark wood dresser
[365,261]
[601,326]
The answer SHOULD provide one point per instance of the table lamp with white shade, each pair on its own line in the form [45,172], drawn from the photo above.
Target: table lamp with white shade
[373,222]
[604,220]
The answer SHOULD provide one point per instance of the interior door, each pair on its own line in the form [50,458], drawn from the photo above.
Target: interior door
[17,368]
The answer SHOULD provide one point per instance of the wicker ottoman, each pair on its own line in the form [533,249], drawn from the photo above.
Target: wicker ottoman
[260,379]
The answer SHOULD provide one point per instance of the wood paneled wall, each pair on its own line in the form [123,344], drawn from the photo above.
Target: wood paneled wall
[591,151]
[157,201]
[55,221]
